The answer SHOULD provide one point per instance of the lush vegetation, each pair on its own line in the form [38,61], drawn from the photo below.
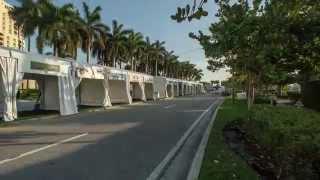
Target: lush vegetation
[65,31]
[279,142]
[220,161]
[262,42]
[311,96]
[290,136]
[28,94]
[267,44]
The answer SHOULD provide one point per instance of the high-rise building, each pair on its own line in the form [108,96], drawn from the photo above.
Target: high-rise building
[10,34]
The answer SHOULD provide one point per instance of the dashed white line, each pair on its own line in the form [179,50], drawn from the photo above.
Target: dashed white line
[42,148]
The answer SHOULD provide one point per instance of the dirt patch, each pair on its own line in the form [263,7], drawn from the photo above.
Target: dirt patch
[256,156]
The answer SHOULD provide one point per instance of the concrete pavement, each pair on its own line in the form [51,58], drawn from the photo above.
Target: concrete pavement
[125,142]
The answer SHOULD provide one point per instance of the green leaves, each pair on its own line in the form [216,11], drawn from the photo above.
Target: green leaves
[270,40]
[290,135]
[188,13]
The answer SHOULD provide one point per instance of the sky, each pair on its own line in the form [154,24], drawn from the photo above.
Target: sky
[152,18]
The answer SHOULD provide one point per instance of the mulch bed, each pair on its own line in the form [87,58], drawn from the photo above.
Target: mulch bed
[255,156]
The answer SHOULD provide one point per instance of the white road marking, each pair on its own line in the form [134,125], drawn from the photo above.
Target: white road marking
[42,148]
[157,172]
[194,110]
[170,106]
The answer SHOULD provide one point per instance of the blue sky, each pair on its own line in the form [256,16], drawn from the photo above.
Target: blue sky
[152,18]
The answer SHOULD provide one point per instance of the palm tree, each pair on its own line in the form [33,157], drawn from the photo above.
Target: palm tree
[116,42]
[158,50]
[92,28]
[147,54]
[27,15]
[134,47]
[171,64]
[197,74]
[168,58]
[99,49]
[57,30]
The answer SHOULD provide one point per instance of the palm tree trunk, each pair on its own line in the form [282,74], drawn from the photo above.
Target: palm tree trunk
[146,67]
[88,53]
[114,62]
[29,43]
[19,41]
[156,68]
[75,53]
[54,50]
[132,63]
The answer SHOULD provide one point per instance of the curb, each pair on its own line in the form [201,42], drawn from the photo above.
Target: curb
[40,118]
[159,170]
[195,168]
[44,117]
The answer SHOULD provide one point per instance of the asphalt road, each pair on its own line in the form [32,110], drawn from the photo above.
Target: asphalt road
[121,143]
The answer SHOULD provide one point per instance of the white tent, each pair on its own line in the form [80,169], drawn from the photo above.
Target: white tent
[137,86]
[170,90]
[119,86]
[181,89]
[194,92]
[93,86]
[160,87]
[176,89]
[53,76]
[10,79]
[148,87]
[170,87]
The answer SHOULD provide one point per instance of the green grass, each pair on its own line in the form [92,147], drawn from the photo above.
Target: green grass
[28,94]
[28,115]
[220,162]
[290,135]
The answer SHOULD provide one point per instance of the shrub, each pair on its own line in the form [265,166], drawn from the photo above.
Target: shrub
[291,136]
[311,95]
[294,96]
[28,94]
[226,93]
[262,100]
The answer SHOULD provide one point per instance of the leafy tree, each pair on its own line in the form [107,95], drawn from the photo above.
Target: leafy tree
[266,41]
[191,11]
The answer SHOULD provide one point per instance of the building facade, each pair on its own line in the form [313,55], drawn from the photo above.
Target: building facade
[10,34]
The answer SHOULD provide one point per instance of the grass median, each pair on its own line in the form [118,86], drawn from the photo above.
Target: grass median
[271,142]
[220,162]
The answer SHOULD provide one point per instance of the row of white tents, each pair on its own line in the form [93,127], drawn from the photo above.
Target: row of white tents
[64,84]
